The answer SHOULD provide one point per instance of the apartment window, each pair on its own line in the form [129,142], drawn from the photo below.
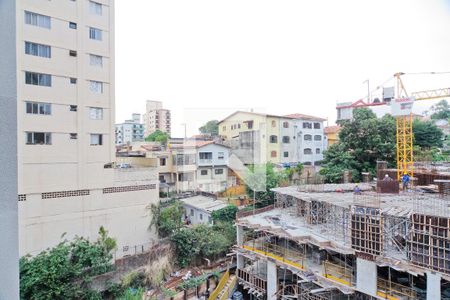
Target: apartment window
[316,125]
[95,8]
[38,49]
[273,154]
[73,107]
[38,79]
[72,25]
[249,124]
[317,150]
[162,161]
[220,155]
[307,151]
[317,137]
[96,139]
[205,155]
[239,126]
[285,125]
[73,53]
[204,172]
[218,171]
[274,124]
[96,113]
[73,136]
[39,138]
[73,80]
[37,20]
[307,125]
[273,139]
[286,139]
[96,87]
[95,34]
[96,60]
[286,154]
[307,137]
[201,216]
[37,108]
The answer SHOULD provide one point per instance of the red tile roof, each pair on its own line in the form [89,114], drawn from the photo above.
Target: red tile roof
[332,129]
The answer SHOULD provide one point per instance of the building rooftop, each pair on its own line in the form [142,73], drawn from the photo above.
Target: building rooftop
[332,129]
[204,203]
[305,117]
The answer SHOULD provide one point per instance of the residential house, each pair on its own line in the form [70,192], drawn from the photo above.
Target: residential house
[332,134]
[198,209]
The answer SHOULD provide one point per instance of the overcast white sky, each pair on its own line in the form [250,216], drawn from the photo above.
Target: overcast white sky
[206,58]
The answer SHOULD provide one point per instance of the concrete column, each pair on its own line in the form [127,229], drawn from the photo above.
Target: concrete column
[366,276]
[240,235]
[239,261]
[272,280]
[433,286]
[9,254]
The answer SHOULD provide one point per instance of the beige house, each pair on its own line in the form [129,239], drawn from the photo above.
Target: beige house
[65,102]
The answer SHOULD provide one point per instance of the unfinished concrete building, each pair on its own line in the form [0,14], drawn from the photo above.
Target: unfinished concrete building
[316,243]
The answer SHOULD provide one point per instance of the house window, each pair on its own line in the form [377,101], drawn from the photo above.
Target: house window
[201,216]
[96,139]
[285,124]
[204,172]
[73,80]
[96,60]
[224,128]
[273,139]
[39,138]
[96,113]
[95,8]
[273,154]
[73,107]
[274,124]
[220,155]
[38,79]
[72,25]
[239,126]
[95,34]
[162,161]
[317,150]
[249,124]
[96,87]
[286,140]
[317,137]
[286,154]
[307,151]
[316,125]
[73,53]
[307,125]
[192,212]
[37,108]
[73,136]
[38,49]
[218,171]
[307,137]
[37,20]
[205,155]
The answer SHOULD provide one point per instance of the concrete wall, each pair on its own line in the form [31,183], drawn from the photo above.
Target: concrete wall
[366,276]
[9,256]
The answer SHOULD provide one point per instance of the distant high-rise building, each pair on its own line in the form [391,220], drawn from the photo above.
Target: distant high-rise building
[130,131]
[156,118]
[67,183]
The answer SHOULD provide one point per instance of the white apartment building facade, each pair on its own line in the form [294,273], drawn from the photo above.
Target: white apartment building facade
[130,131]
[65,104]
[156,118]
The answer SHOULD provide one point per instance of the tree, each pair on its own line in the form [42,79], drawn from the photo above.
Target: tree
[158,136]
[362,141]
[63,271]
[167,220]
[210,128]
[441,110]
[291,171]
[226,214]
[426,134]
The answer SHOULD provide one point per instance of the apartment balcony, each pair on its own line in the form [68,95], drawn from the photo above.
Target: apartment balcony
[186,168]
[205,162]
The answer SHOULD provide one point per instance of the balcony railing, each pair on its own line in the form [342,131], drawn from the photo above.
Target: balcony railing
[252,280]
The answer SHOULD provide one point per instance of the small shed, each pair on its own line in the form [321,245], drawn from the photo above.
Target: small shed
[198,209]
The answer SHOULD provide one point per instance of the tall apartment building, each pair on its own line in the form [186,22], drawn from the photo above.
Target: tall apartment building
[259,138]
[130,131]
[156,118]
[65,103]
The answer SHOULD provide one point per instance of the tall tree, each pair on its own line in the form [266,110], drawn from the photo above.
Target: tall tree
[441,110]
[426,134]
[158,136]
[211,128]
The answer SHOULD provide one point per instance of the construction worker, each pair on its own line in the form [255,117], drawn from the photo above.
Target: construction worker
[405,181]
[357,190]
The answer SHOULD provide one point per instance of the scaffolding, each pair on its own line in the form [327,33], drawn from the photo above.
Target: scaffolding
[366,230]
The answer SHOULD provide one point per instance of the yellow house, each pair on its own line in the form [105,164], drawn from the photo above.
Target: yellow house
[332,133]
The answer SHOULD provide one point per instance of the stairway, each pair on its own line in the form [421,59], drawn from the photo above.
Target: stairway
[228,288]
